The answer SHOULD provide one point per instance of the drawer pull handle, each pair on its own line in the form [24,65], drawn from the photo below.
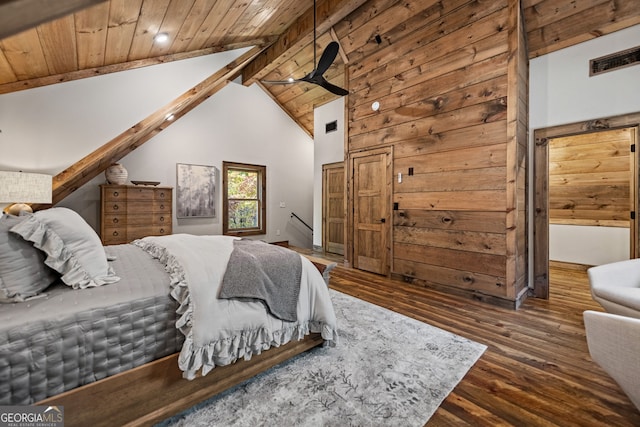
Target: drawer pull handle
[115,207]
[115,233]
[115,220]
[162,195]
[161,219]
[162,207]
[162,231]
[115,194]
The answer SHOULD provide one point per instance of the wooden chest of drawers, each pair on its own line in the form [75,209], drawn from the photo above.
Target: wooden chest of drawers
[129,212]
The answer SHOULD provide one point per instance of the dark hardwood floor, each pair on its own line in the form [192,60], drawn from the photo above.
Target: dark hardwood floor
[536,371]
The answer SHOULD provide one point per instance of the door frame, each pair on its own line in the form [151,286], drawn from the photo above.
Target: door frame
[540,181]
[350,174]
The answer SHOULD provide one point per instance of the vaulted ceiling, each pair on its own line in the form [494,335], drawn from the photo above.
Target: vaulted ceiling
[44,42]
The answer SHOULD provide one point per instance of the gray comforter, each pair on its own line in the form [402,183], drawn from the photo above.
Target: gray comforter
[71,337]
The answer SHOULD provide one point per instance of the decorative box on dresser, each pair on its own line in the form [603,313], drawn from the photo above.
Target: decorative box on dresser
[129,212]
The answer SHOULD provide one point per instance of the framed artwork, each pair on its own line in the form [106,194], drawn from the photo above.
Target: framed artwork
[196,190]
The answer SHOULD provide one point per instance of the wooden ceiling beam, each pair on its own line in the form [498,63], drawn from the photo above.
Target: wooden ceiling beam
[84,170]
[342,53]
[297,36]
[19,15]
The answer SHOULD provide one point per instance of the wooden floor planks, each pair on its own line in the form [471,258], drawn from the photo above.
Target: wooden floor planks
[536,371]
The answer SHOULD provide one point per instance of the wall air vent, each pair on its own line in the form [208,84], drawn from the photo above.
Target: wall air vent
[331,126]
[614,61]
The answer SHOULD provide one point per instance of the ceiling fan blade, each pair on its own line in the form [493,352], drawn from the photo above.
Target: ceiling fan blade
[322,82]
[329,54]
[279,82]
[336,90]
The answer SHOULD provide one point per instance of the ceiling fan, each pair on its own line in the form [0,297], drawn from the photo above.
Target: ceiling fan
[316,76]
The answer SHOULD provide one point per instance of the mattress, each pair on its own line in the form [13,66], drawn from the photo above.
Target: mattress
[70,338]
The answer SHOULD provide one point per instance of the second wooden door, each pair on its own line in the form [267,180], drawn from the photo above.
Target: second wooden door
[333,212]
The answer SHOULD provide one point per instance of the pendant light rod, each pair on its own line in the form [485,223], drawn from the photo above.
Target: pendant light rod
[315,60]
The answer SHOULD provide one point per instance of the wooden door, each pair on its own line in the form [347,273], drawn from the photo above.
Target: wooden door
[371,210]
[333,211]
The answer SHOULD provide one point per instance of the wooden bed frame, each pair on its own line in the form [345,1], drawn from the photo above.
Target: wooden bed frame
[155,391]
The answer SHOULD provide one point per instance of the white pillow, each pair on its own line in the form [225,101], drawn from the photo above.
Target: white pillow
[23,273]
[73,249]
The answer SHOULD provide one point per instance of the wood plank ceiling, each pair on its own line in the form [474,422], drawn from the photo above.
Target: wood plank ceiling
[117,35]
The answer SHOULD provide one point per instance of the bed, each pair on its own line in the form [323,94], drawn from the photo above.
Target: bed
[138,332]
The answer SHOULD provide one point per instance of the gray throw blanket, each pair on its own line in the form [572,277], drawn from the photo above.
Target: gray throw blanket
[267,272]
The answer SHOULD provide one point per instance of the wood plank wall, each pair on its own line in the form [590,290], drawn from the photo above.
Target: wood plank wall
[445,74]
[590,179]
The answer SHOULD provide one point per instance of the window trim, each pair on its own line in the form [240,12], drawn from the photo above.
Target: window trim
[262,198]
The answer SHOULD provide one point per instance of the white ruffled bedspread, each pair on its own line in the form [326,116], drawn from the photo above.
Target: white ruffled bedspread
[220,331]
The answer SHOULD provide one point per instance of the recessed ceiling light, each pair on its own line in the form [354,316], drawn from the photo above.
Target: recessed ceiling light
[161,37]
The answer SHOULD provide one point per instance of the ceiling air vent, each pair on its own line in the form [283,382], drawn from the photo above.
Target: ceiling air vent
[614,61]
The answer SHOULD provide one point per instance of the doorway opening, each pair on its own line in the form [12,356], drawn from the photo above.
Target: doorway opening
[585,193]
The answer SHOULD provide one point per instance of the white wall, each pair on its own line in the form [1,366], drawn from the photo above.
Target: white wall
[564,241]
[562,92]
[328,148]
[49,128]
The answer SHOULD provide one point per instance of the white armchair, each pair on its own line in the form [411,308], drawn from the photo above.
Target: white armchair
[616,287]
[614,344]
[614,337]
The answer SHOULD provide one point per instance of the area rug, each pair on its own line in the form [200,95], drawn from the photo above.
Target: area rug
[387,370]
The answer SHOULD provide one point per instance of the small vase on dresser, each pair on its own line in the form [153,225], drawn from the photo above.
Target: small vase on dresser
[116,174]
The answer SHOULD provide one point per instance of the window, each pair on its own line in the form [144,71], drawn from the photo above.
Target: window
[244,196]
